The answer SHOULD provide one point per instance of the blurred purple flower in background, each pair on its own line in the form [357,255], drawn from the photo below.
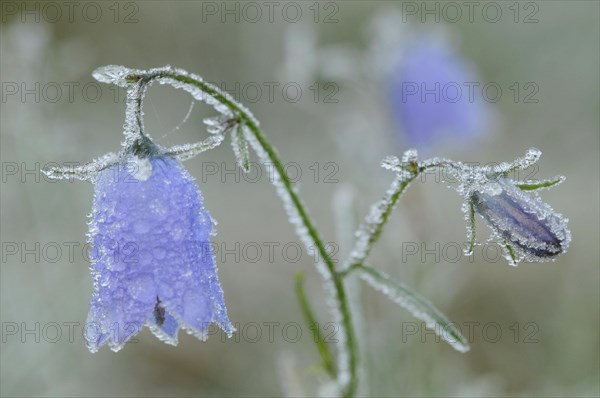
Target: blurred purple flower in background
[436,96]
[153,262]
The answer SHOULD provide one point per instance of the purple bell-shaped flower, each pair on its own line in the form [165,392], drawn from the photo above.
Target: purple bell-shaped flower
[153,263]
[435,96]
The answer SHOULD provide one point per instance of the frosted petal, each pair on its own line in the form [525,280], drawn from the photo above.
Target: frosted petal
[152,262]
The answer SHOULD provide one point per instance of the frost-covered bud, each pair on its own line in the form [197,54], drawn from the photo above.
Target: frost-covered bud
[530,228]
[153,263]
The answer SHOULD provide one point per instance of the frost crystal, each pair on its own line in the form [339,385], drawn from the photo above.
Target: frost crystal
[371,227]
[86,172]
[188,151]
[391,163]
[219,124]
[114,74]
[239,143]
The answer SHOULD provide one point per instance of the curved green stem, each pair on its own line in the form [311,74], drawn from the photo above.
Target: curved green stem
[338,283]
[370,231]
[336,279]
[386,214]
[312,323]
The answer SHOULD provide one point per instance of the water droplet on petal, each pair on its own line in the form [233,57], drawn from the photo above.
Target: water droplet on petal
[196,308]
[142,289]
[141,226]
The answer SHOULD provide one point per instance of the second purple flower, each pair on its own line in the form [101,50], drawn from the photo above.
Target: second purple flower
[435,96]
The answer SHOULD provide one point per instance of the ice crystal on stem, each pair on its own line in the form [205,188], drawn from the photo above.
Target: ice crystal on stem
[368,232]
[239,143]
[115,74]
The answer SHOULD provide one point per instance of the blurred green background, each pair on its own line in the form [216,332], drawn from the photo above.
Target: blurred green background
[547,314]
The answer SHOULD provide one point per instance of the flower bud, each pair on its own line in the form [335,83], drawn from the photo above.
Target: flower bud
[522,221]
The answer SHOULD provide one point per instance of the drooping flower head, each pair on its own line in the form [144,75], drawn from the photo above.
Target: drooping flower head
[435,95]
[152,262]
